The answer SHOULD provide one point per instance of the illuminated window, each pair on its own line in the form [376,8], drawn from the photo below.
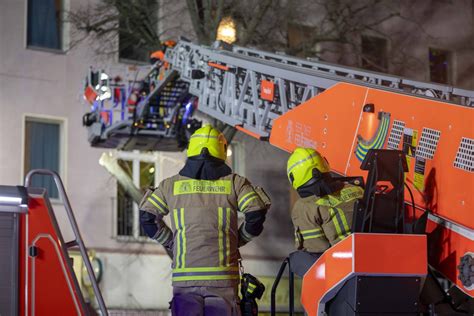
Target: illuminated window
[374,53]
[439,65]
[143,174]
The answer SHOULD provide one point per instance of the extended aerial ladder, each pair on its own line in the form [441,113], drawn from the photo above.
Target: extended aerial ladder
[251,88]
[344,112]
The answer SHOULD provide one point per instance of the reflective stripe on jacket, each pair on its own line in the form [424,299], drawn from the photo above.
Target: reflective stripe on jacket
[322,222]
[204,226]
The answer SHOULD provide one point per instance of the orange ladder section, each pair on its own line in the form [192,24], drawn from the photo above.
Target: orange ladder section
[362,254]
[438,138]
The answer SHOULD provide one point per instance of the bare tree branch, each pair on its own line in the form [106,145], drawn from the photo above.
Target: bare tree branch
[327,26]
[254,22]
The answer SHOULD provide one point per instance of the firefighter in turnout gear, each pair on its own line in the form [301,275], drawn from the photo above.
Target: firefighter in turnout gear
[203,201]
[323,214]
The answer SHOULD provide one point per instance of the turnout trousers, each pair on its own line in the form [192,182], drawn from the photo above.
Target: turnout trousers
[205,301]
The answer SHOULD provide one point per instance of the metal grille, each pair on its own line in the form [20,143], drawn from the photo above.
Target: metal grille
[428,143]
[395,134]
[465,156]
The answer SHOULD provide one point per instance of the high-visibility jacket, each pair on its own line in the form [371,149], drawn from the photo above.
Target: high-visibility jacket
[323,221]
[204,228]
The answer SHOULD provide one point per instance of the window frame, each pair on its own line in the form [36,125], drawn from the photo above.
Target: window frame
[387,52]
[63,147]
[451,65]
[302,30]
[136,157]
[65,31]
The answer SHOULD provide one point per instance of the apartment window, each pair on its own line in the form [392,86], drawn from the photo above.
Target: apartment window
[143,22]
[42,151]
[143,175]
[44,22]
[125,204]
[439,65]
[298,39]
[374,53]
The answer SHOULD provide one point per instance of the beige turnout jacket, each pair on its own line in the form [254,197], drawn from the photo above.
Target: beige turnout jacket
[204,228]
[322,222]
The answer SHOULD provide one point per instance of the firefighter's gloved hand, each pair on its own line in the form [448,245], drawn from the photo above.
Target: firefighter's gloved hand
[252,227]
[169,246]
[148,222]
[156,229]
[242,242]
[169,250]
[244,236]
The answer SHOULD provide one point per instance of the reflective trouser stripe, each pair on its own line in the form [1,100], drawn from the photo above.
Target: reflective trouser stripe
[206,277]
[340,222]
[204,273]
[223,231]
[181,238]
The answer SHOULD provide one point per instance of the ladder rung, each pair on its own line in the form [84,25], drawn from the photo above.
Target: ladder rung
[72,243]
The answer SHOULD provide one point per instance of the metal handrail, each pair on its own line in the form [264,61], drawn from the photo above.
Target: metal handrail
[78,241]
[291,299]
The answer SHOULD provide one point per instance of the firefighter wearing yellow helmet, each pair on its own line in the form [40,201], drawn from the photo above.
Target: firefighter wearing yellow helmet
[323,214]
[209,139]
[203,201]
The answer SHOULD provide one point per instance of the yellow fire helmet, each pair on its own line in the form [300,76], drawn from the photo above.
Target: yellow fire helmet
[210,138]
[301,164]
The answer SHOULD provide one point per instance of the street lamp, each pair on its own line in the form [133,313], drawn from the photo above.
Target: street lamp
[226,31]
